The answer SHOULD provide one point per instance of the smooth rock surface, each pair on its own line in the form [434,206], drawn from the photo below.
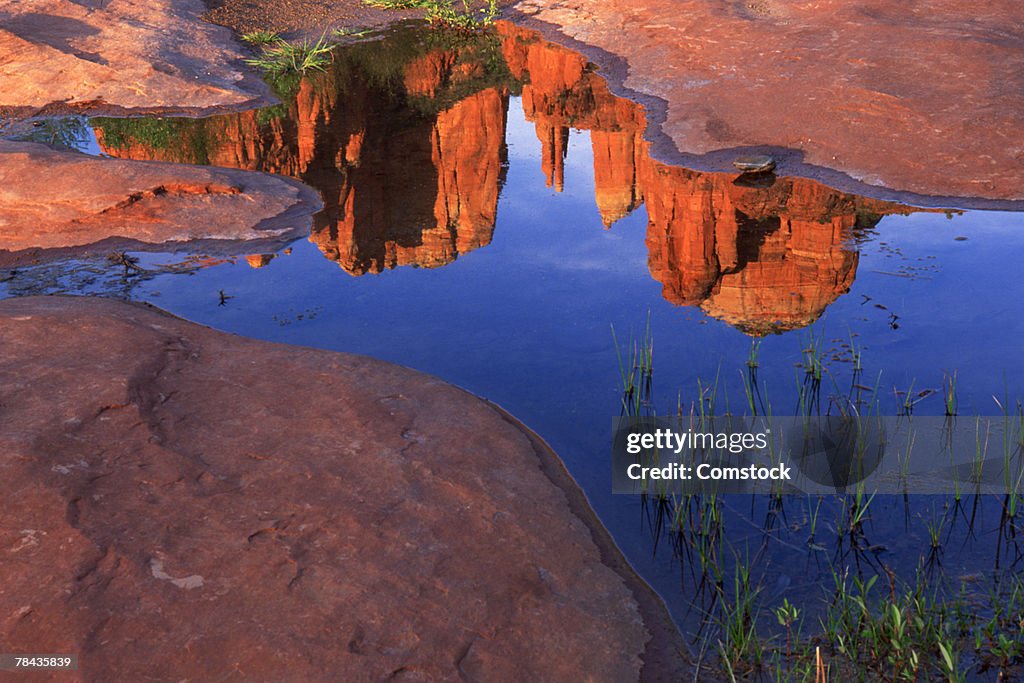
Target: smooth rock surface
[926,97]
[53,199]
[119,54]
[183,504]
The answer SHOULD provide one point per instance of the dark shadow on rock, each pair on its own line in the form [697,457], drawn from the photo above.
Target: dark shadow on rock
[53,31]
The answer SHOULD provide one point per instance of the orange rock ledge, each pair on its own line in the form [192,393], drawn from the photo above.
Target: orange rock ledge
[185,504]
[120,56]
[920,97]
[59,201]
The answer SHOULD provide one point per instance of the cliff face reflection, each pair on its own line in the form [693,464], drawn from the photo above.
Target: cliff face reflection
[405,141]
[761,258]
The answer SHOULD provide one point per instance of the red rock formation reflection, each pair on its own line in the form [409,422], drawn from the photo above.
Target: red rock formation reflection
[408,188]
[399,188]
[419,198]
[761,258]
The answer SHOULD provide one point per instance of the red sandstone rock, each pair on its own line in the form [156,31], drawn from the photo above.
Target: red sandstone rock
[257,261]
[924,97]
[119,54]
[58,200]
[184,504]
[446,172]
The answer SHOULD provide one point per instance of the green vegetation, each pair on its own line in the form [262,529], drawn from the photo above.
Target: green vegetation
[902,632]
[869,625]
[398,4]
[285,84]
[885,615]
[755,351]
[278,56]
[350,33]
[636,370]
[260,37]
[445,13]
[186,141]
[813,354]
[464,19]
[267,115]
[949,393]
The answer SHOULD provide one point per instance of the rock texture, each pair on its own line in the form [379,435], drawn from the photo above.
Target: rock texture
[54,200]
[762,259]
[305,18]
[183,504]
[926,97]
[155,55]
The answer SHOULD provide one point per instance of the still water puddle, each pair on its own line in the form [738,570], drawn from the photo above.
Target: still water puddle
[491,210]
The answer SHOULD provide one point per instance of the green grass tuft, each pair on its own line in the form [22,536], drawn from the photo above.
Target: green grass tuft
[280,56]
[260,37]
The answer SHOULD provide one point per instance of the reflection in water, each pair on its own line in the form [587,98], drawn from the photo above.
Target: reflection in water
[405,140]
[762,260]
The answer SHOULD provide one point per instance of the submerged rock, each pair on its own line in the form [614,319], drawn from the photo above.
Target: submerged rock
[54,200]
[182,503]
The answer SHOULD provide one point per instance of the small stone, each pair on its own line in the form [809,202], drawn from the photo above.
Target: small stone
[758,163]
